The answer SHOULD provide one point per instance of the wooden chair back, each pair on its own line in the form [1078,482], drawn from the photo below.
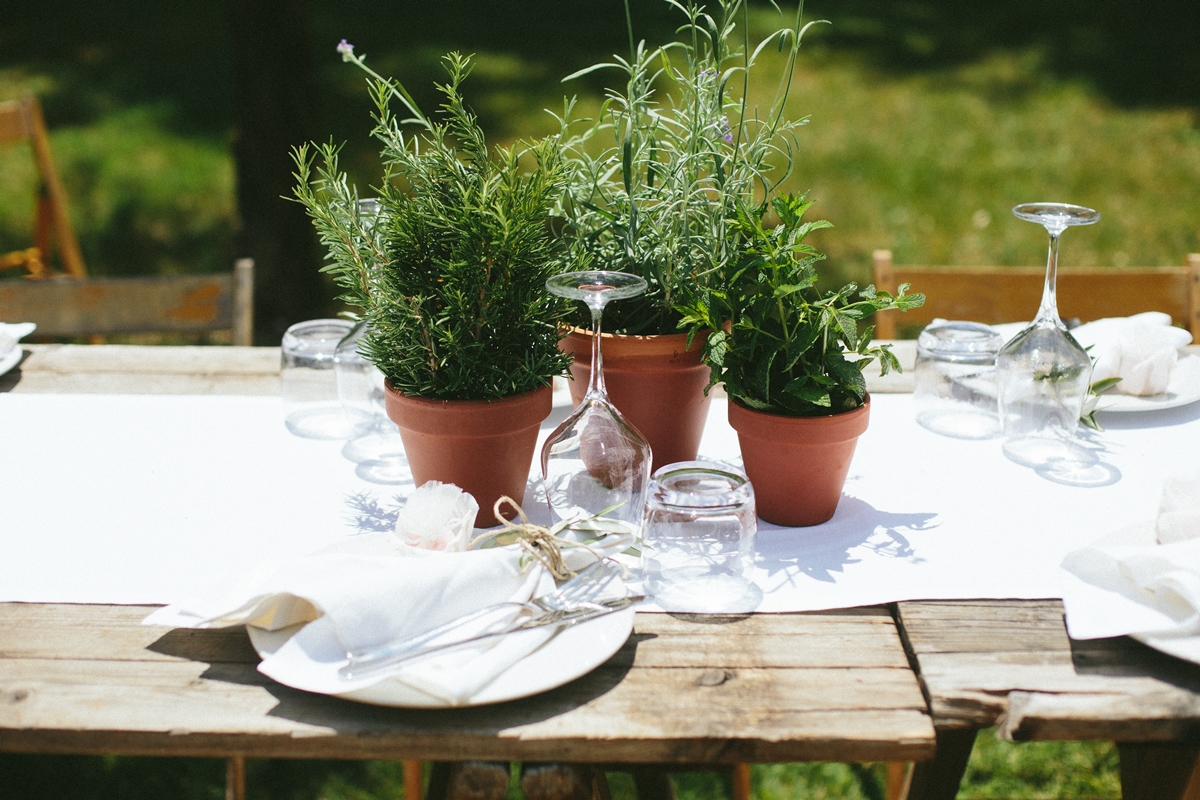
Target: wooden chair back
[21,121]
[99,306]
[1012,294]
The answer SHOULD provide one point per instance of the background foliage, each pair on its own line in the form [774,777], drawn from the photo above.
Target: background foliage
[930,119]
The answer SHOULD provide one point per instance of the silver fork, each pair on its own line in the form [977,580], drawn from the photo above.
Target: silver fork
[566,603]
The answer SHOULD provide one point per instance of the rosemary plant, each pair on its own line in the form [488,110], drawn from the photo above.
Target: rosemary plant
[779,345]
[656,177]
[451,274]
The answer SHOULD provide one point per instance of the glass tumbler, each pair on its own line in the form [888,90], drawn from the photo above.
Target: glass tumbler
[698,536]
[955,380]
[312,407]
[375,445]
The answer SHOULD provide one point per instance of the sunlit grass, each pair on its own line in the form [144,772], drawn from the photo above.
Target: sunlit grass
[143,199]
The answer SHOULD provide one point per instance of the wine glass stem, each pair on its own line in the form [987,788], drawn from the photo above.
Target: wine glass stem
[1049,307]
[596,381]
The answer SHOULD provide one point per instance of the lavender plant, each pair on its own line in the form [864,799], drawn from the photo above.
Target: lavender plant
[657,176]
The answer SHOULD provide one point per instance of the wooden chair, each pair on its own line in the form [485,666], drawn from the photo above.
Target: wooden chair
[99,306]
[1012,294]
[21,121]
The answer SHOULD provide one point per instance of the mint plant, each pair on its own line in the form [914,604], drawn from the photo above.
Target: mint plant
[779,345]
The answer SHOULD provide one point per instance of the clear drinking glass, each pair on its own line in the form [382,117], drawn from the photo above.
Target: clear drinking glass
[376,447]
[1042,373]
[595,462]
[310,392]
[698,539]
[955,380]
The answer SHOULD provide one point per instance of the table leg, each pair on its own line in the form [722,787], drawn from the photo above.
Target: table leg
[939,779]
[412,779]
[741,782]
[1155,771]
[235,778]
[896,783]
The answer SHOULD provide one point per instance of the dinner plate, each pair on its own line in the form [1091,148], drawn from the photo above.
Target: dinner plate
[571,653]
[1183,389]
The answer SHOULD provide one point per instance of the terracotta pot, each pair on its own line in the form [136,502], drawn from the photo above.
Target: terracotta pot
[797,465]
[485,448]
[657,382]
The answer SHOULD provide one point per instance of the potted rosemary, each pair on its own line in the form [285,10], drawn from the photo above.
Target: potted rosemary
[791,358]
[450,278]
[654,180]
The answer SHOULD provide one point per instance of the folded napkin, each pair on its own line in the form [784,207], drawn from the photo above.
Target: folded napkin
[1141,350]
[1143,581]
[306,614]
[365,592]
[11,333]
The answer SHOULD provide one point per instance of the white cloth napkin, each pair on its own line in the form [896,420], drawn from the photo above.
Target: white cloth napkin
[1141,350]
[11,333]
[1144,580]
[367,591]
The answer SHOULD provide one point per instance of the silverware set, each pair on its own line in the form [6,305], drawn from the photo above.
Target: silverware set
[573,602]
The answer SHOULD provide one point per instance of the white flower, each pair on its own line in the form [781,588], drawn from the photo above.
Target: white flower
[437,516]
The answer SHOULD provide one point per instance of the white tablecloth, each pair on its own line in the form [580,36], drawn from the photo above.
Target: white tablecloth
[143,499]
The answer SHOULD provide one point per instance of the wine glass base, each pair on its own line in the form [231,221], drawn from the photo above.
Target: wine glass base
[1049,453]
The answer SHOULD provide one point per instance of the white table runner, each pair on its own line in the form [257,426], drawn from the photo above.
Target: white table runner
[143,499]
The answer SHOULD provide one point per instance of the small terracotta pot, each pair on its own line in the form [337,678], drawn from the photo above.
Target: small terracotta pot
[797,465]
[656,382]
[485,448]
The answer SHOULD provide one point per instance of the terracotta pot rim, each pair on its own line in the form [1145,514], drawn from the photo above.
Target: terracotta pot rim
[842,426]
[634,349]
[428,415]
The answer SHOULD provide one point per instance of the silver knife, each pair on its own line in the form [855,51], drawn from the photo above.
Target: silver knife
[389,655]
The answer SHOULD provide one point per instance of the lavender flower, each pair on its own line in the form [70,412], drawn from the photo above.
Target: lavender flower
[722,126]
[346,49]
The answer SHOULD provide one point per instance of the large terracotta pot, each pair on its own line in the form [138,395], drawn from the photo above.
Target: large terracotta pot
[657,382]
[485,448]
[797,465]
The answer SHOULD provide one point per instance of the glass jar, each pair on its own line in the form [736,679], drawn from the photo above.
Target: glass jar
[698,537]
[955,388]
[310,391]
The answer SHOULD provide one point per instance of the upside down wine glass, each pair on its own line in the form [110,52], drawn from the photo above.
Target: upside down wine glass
[1042,373]
[595,462]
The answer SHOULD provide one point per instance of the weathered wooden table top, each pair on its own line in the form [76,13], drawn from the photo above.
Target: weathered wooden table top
[91,679]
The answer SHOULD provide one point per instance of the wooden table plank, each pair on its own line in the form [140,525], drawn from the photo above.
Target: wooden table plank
[1011,664]
[132,369]
[827,686]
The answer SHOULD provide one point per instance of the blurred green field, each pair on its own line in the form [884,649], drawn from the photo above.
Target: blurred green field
[926,162]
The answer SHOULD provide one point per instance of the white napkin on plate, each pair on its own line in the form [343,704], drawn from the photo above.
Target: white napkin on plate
[1143,581]
[1141,350]
[11,333]
[366,591]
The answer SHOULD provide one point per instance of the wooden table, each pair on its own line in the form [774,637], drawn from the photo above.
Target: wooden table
[859,684]
[683,690]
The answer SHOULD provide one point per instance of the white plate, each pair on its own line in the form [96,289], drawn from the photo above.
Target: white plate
[11,359]
[572,653]
[1183,389]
